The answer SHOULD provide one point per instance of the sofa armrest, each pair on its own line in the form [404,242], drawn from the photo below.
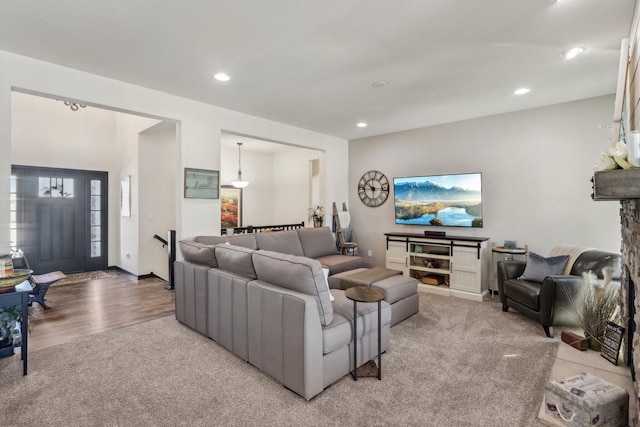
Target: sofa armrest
[511,269]
[285,337]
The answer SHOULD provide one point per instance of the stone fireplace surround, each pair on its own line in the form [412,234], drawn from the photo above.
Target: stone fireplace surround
[624,185]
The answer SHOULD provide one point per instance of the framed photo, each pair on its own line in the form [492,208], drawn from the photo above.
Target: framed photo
[201,184]
[230,207]
[125,196]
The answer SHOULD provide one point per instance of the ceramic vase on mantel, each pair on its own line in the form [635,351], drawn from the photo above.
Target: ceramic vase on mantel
[317,221]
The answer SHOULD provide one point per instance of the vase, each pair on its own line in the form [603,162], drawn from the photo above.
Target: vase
[317,221]
[593,343]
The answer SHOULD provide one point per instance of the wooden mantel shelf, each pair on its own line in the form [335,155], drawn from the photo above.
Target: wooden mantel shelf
[616,184]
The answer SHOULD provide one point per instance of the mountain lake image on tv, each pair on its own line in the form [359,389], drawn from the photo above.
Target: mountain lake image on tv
[439,200]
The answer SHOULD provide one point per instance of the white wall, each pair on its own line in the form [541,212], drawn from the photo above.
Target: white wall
[199,128]
[291,179]
[536,167]
[157,215]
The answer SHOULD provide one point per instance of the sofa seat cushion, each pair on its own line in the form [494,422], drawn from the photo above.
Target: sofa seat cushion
[397,288]
[198,253]
[367,313]
[317,242]
[236,259]
[336,334]
[296,273]
[286,242]
[339,263]
[524,292]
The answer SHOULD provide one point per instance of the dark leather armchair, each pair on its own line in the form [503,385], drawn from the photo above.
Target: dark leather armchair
[548,302]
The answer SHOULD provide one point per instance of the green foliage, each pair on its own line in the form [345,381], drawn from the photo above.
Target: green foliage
[8,318]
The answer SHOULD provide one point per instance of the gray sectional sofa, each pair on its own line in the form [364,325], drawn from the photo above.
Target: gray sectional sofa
[264,297]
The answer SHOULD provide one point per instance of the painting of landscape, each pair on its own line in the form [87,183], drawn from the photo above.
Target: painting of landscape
[439,200]
[230,206]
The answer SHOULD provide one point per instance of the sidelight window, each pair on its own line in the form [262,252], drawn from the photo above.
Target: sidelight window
[13,212]
[96,218]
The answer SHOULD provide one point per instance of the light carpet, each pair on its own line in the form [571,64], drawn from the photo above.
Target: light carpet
[456,363]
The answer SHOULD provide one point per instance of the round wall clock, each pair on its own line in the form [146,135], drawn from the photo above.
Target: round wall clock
[373,188]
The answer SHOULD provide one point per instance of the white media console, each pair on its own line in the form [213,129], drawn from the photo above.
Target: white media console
[445,265]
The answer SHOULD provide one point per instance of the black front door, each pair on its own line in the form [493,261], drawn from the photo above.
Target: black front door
[61,218]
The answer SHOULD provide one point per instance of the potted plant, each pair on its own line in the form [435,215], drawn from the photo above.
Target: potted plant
[594,305]
[10,318]
[318,215]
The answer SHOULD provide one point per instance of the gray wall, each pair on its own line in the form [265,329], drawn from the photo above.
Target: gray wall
[536,167]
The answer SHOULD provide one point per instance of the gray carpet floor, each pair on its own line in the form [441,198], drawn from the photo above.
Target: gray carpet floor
[456,363]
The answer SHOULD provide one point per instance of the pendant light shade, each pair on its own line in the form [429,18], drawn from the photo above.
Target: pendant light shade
[239,183]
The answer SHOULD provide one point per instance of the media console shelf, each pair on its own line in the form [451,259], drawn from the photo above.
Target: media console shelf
[445,265]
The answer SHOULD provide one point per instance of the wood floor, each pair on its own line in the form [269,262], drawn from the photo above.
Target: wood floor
[86,308]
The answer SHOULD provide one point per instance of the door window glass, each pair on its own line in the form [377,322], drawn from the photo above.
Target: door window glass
[96,223]
[55,187]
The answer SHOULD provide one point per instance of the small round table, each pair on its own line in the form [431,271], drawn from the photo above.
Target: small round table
[365,294]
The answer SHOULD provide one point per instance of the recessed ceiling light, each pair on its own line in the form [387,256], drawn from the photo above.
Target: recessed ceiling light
[362,125]
[379,83]
[522,91]
[221,77]
[572,53]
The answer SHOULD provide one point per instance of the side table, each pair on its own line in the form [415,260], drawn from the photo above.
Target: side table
[365,294]
[11,299]
[507,254]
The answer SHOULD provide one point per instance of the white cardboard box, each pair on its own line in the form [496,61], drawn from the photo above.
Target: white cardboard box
[586,400]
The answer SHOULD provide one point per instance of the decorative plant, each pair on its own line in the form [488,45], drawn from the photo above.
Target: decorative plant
[596,304]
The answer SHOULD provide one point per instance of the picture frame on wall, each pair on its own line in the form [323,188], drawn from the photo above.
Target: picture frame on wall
[201,183]
[230,206]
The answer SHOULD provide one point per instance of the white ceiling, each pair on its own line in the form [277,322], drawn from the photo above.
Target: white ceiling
[311,63]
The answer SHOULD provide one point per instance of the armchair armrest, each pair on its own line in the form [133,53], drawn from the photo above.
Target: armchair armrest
[555,300]
[508,270]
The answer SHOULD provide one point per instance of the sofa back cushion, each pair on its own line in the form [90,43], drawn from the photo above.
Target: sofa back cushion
[244,240]
[236,259]
[198,253]
[317,242]
[286,242]
[595,261]
[298,274]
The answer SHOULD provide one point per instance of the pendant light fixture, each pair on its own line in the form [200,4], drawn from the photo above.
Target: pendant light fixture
[239,183]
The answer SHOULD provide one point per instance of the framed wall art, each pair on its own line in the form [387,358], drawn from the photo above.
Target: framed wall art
[201,183]
[230,207]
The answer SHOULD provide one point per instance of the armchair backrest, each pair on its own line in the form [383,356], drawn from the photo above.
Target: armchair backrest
[595,261]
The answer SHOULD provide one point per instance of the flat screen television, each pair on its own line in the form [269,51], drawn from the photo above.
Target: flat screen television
[439,200]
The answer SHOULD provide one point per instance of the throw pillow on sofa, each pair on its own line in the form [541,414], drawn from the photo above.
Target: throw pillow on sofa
[539,267]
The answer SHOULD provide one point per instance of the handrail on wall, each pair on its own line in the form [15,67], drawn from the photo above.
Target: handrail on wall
[261,228]
[172,254]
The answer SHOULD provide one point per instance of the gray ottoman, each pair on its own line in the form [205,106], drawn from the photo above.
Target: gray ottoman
[401,292]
